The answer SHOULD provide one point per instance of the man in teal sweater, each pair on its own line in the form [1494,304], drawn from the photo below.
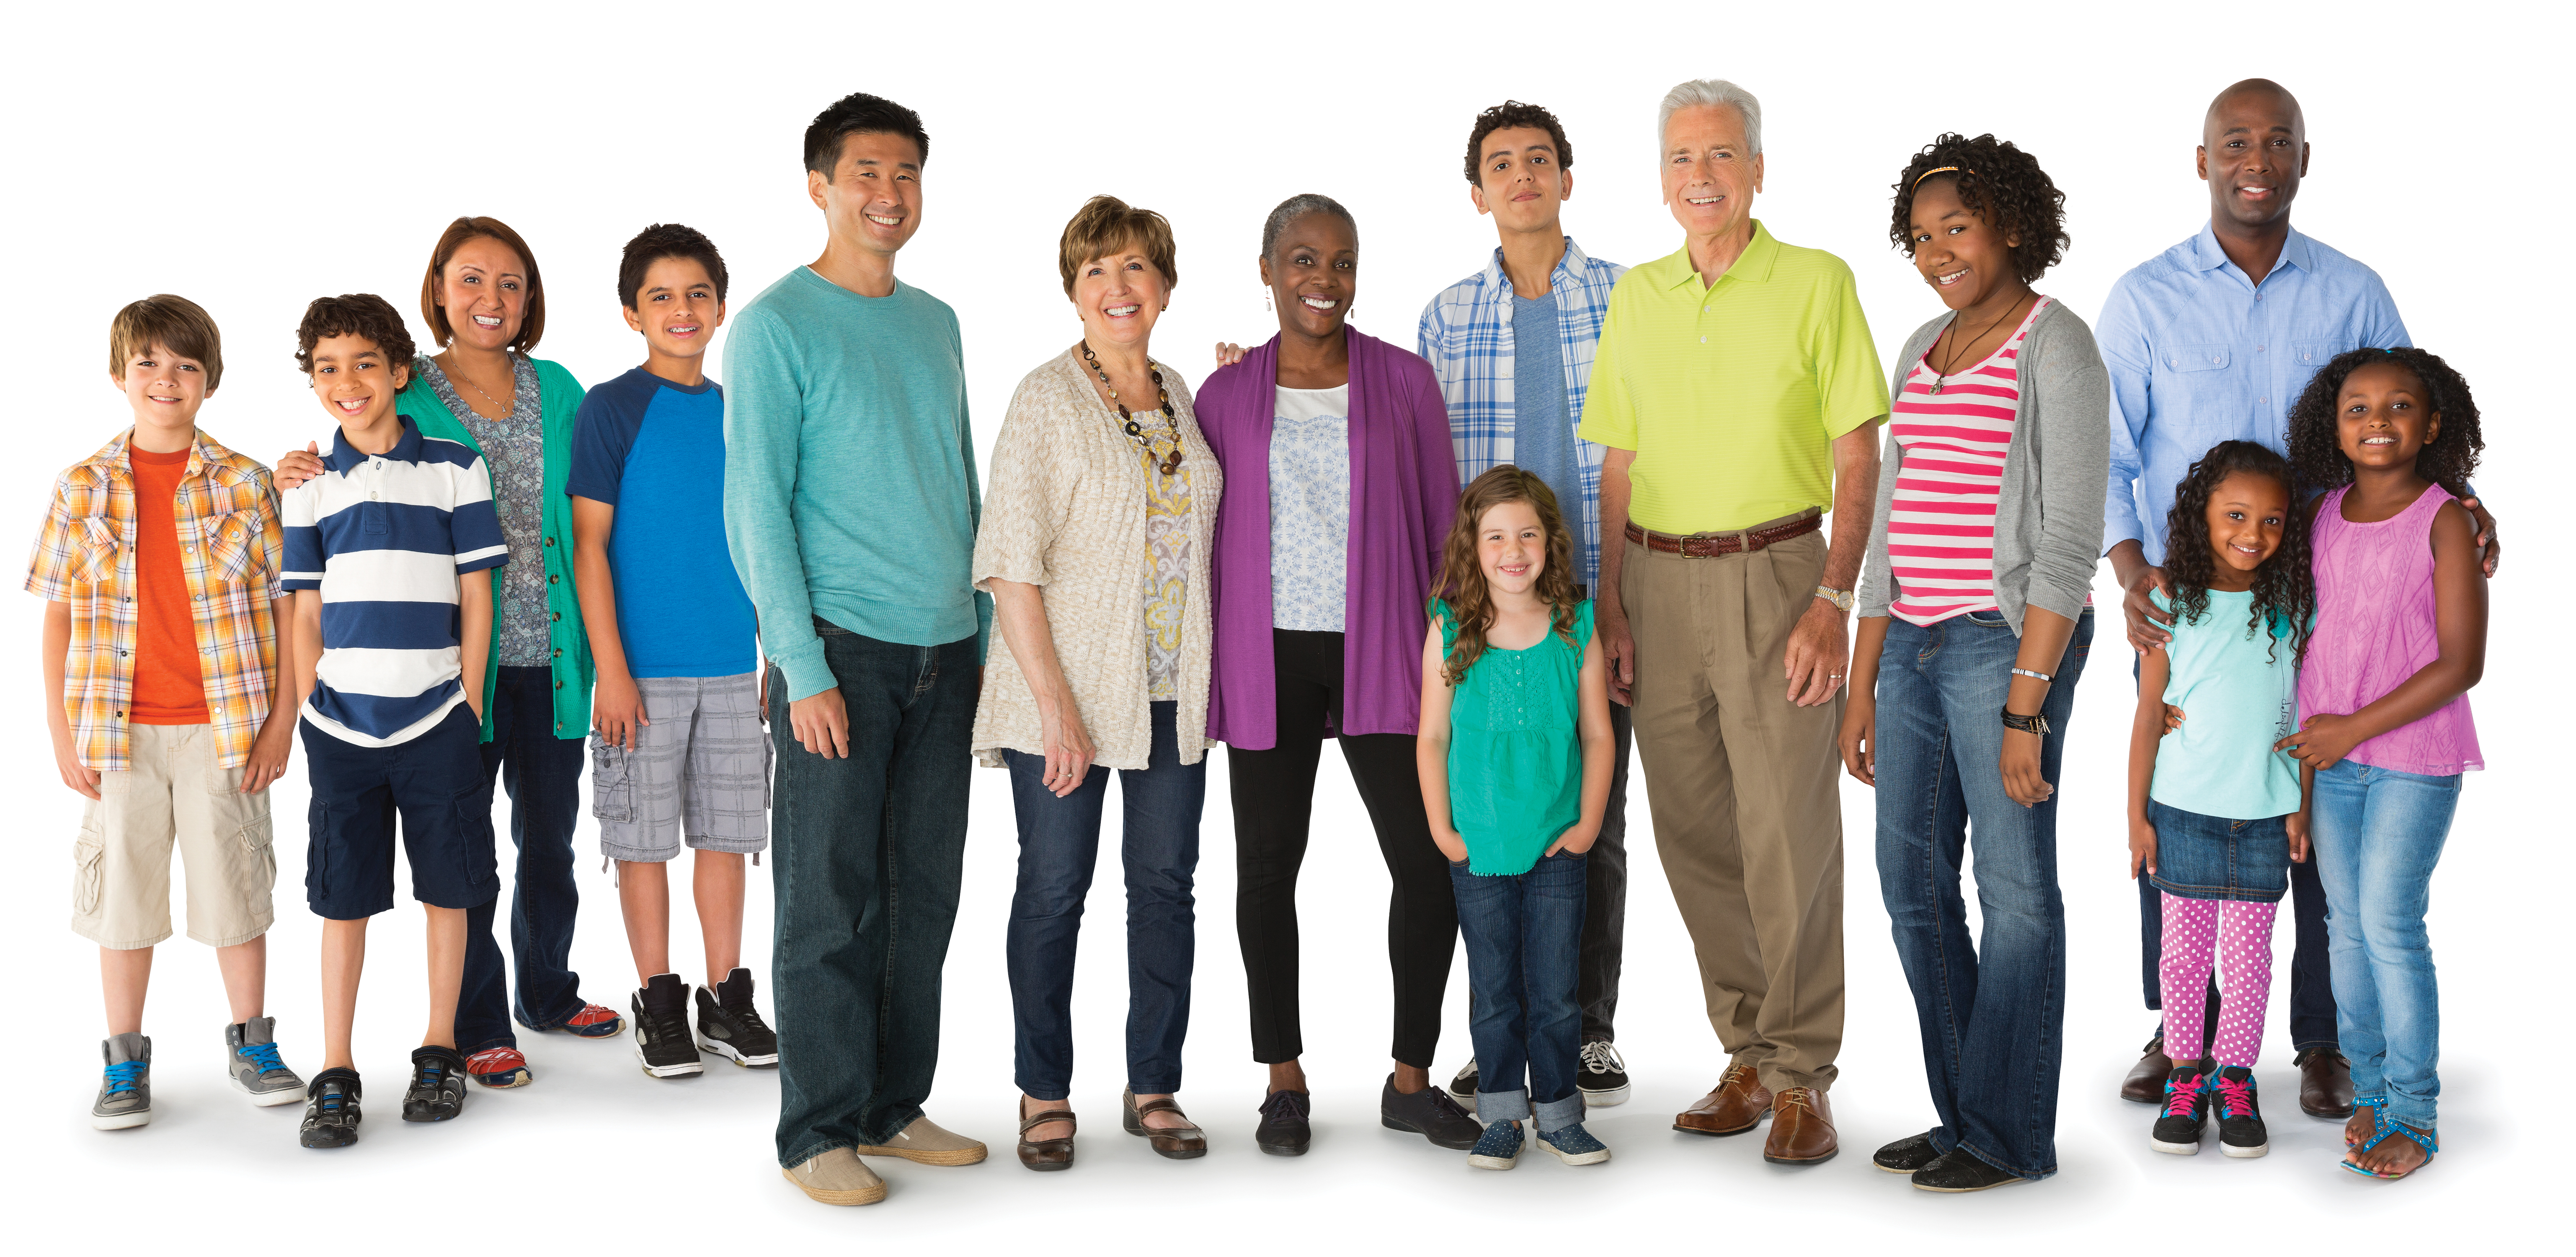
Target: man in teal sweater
[850,505]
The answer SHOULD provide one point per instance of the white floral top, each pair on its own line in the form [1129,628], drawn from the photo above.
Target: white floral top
[1310,508]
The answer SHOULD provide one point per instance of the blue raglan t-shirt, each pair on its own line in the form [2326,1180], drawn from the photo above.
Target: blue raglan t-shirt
[655,450]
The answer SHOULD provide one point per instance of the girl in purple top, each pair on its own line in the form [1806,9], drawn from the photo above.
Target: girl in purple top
[1340,485]
[2401,634]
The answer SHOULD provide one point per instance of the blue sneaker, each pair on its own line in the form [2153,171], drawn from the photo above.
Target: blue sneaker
[1574,1145]
[1499,1148]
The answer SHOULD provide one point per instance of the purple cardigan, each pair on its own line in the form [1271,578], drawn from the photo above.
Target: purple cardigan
[1404,493]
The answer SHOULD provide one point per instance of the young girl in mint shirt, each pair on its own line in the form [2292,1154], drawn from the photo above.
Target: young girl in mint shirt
[1515,755]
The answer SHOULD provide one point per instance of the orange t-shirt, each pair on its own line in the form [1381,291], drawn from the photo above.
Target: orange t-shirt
[169,682]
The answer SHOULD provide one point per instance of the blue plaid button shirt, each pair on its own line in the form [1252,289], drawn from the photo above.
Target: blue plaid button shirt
[1467,339]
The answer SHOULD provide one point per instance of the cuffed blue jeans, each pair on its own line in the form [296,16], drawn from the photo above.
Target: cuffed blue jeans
[867,856]
[2378,834]
[1992,1010]
[1524,938]
[1059,847]
[542,774]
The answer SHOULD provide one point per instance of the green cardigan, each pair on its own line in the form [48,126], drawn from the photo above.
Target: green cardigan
[559,397]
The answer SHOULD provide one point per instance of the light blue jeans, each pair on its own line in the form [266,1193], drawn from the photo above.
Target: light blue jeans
[2378,834]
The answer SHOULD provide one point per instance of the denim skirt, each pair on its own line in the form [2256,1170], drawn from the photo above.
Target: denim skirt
[2210,857]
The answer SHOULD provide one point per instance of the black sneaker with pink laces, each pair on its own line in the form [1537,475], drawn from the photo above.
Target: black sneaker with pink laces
[2240,1116]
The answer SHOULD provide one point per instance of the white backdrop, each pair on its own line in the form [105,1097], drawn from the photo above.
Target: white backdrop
[254,162]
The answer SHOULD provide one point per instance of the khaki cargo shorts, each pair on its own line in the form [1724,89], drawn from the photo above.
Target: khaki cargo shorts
[176,794]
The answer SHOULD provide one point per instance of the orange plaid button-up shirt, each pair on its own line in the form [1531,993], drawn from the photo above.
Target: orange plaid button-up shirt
[232,550]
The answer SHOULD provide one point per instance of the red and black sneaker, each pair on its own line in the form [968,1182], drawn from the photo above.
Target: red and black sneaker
[499,1067]
[595,1021]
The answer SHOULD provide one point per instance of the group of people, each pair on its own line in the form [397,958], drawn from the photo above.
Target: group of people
[1588,512]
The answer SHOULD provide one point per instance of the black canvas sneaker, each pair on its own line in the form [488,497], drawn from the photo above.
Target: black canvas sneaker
[729,1025]
[2186,1110]
[1603,1077]
[2240,1116]
[662,1039]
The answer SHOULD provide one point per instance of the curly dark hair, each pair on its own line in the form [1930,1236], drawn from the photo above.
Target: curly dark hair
[2000,184]
[2316,446]
[1461,583]
[2285,590]
[353,314]
[1509,114]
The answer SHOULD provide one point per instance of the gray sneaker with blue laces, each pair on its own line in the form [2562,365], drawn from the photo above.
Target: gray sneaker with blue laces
[250,1056]
[1574,1145]
[125,1095]
[1499,1148]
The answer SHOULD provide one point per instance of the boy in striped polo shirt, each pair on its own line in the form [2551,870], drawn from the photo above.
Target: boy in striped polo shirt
[389,553]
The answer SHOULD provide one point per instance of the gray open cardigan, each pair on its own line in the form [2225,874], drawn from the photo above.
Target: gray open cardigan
[2048,521]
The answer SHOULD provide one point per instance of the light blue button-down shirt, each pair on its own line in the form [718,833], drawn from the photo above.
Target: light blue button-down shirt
[2198,355]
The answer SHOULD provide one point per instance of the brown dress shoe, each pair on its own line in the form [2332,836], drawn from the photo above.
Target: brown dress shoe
[1802,1129]
[2325,1084]
[1734,1108]
[1046,1154]
[2146,1081]
[1180,1143]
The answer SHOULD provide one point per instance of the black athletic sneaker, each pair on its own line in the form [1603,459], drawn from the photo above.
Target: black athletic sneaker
[1462,1087]
[662,1039]
[330,1110]
[1603,1077]
[437,1090]
[2186,1110]
[729,1025]
[1429,1113]
[2240,1117]
[1284,1130]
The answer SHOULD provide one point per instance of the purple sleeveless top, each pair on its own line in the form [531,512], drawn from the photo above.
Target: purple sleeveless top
[2375,629]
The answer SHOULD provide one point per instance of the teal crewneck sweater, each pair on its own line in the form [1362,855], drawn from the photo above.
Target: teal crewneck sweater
[850,488]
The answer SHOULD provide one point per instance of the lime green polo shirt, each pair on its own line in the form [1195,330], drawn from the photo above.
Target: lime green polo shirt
[1732,394]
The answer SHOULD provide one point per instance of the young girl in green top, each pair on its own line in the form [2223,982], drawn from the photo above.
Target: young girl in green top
[1514,754]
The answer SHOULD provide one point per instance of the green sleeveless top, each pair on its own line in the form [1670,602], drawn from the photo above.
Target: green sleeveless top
[1516,747]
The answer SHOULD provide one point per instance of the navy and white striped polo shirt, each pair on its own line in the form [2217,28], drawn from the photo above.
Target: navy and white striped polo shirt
[383,537]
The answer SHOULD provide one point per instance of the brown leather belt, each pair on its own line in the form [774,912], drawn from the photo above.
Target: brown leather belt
[1712,545]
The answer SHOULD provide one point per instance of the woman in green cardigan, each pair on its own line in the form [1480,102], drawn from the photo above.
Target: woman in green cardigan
[486,308]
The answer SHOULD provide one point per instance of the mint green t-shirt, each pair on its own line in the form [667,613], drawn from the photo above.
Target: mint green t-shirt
[1516,747]
[2240,690]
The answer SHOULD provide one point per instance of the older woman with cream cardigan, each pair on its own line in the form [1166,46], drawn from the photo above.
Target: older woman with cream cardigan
[1095,545]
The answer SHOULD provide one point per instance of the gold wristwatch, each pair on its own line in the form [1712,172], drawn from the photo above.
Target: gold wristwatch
[1841,598]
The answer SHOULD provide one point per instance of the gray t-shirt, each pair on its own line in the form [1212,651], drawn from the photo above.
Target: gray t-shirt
[515,451]
[1542,433]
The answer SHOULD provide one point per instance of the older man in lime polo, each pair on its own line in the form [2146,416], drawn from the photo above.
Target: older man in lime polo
[1738,390]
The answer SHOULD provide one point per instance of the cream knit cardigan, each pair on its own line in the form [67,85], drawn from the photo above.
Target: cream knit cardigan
[1065,510]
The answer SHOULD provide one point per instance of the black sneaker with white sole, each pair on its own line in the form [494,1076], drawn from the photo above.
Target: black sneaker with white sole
[437,1090]
[729,1024]
[1462,1088]
[1602,1076]
[662,1039]
[330,1110]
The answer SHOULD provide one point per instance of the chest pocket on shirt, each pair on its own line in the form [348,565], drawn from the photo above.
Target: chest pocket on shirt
[2313,355]
[2186,359]
[233,552]
[98,540]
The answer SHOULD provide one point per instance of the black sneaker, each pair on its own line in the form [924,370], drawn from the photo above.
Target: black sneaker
[330,1110]
[2186,1110]
[662,1039]
[437,1090]
[730,1026]
[1285,1130]
[1906,1155]
[1959,1170]
[1429,1113]
[1602,1077]
[1462,1087]
[2240,1117]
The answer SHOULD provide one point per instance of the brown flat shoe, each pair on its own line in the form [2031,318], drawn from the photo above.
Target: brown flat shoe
[2325,1084]
[1802,1129]
[2146,1081]
[1046,1154]
[1180,1143]
[1734,1108]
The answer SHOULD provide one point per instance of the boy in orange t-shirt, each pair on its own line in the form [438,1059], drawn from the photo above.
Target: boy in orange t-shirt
[159,565]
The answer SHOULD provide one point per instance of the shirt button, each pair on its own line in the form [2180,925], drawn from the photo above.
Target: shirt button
[2261,400]
[2215,359]
[550,541]
[558,652]
[551,615]
[558,685]
[553,579]
[1703,340]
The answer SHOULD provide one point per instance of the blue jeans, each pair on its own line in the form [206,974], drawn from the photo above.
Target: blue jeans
[2378,834]
[867,854]
[1059,847]
[1524,943]
[542,774]
[1992,1010]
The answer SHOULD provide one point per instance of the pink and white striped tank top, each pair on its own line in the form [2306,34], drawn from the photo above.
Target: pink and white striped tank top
[1941,522]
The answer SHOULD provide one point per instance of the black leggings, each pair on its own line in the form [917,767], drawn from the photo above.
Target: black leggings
[1274,796]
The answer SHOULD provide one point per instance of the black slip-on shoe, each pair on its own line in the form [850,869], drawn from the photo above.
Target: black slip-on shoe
[1906,1155]
[437,1090]
[1429,1113]
[330,1110]
[1285,1130]
[1959,1170]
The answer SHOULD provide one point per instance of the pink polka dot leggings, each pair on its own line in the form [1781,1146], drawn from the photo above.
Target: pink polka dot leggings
[2236,936]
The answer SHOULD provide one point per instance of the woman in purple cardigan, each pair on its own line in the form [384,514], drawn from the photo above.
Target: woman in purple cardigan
[1341,485]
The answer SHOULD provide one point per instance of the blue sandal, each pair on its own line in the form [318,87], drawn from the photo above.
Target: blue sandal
[2378,1106]
[2384,1127]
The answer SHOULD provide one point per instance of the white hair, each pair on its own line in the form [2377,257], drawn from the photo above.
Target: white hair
[1698,92]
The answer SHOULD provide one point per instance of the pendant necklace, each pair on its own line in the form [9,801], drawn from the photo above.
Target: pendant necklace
[1136,431]
[1941,377]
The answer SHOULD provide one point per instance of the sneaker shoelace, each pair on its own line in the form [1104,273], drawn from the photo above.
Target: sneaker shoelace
[2235,1099]
[746,1014]
[1601,1058]
[125,1075]
[2181,1100]
[670,1025]
[262,1055]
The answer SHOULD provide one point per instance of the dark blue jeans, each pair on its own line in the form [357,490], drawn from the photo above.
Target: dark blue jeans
[1059,847]
[1524,938]
[1992,1010]
[868,851]
[542,773]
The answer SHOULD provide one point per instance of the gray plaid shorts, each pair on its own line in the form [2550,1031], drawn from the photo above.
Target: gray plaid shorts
[700,769]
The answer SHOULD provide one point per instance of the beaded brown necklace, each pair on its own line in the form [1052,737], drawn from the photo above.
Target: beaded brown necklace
[1170,465]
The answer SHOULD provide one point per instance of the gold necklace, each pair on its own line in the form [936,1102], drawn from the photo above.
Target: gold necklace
[506,411]
[1135,430]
